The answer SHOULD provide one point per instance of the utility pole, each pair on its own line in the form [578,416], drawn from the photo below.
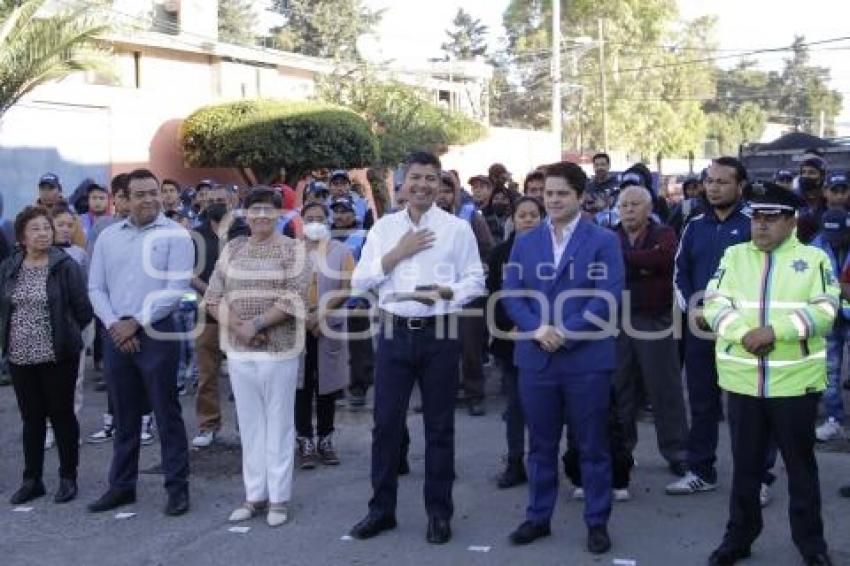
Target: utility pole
[603,86]
[556,74]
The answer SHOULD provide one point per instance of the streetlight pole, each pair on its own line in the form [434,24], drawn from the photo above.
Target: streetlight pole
[603,86]
[556,74]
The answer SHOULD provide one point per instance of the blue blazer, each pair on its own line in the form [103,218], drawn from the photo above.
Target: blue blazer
[588,283]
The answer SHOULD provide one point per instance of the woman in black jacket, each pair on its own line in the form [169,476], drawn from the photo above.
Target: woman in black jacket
[43,306]
[527,214]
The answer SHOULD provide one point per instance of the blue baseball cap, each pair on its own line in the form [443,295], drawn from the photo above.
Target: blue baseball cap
[345,202]
[49,179]
[339,173]
[783,175]
[837,180]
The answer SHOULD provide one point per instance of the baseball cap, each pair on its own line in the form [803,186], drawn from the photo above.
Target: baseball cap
[783,175]
[479,179]
[339,173]
[838,180]
[344,202]
[317,188]
[835,222]
[205,183]
[50,179]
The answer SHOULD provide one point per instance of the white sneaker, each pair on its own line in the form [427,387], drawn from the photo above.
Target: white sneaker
[204,439]
[622,494]
[147,431]
[765,496]
[49,439]
[578,494]
[829,430]
[689,484]
[278,514]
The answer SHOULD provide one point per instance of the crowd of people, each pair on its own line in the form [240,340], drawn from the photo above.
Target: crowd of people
[596,298]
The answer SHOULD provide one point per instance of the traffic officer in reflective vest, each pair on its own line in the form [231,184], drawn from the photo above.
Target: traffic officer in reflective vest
[771,302]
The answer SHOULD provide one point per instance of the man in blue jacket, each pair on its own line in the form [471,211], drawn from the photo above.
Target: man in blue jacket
[563,284]
[705,238]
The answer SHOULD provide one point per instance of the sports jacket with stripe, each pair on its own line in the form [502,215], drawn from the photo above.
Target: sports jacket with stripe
[792,289]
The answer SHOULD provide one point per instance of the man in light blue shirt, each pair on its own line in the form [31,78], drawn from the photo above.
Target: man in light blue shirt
[141,267]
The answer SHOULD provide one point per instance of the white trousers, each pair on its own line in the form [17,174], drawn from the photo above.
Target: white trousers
[264,391]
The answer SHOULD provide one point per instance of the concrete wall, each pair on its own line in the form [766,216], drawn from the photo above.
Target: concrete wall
[519,150]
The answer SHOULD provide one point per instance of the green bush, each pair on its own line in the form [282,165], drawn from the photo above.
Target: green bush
[264,135]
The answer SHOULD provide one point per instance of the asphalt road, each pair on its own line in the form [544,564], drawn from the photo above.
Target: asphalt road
[651,529]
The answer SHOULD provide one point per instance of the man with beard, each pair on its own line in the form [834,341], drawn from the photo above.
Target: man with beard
[724,224]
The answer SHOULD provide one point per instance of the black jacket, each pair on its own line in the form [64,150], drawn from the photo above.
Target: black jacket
[502,349]
[67,301]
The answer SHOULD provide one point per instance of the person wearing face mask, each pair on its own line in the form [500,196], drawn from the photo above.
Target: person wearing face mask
[498,213]
[346,230]
[325,366]
[219,227]
[811,182]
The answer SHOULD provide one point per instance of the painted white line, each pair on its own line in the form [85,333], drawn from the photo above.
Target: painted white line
[22,509]
[121,516]
[479,548]
[239,530]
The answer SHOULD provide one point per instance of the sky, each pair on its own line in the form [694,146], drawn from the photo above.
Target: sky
[413,33]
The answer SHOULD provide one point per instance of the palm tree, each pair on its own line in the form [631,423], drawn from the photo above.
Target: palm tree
[35,49]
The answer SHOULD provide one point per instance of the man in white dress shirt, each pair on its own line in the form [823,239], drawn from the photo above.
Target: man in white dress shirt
[424,264]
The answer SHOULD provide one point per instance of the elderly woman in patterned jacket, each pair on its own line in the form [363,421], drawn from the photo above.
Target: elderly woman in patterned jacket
[43,307]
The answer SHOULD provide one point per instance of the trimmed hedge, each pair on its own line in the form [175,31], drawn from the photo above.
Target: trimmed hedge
[265,135]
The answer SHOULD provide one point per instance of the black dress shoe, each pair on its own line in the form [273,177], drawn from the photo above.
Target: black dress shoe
[844,491]
[598,541]
[476,408]
[439,531]
[727,554]
[529,532]
[372,526]
[513,475]
[821,559]
[178,503]
[67,491]
[113,499]
[678,469]
[28,491]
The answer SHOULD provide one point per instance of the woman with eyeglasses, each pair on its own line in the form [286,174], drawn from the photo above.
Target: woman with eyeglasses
[258,293]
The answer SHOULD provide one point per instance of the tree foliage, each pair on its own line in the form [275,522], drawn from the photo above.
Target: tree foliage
[467,37]
[236,21]
[263,136]
[324,28]
[403,117]
[35,50]
[665,91]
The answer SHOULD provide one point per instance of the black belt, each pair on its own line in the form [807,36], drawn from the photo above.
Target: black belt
[419,322]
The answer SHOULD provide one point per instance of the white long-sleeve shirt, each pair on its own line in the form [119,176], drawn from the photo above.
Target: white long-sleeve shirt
[452,261]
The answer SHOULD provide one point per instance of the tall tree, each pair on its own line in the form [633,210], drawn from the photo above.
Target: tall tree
[805,95]
[35,50]
[236,21]
[467,38]
[324,28]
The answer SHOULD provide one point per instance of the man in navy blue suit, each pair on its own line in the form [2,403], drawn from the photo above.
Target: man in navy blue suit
[563,285]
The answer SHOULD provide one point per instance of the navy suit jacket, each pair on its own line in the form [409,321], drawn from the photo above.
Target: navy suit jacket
[580,296]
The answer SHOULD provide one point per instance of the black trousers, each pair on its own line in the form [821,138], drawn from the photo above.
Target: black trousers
[790,421]
[46,391]
[361,351]
[405,358]
[325,404]
[473,341]
[132,379]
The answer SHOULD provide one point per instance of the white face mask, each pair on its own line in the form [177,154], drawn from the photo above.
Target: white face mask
[316,231]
